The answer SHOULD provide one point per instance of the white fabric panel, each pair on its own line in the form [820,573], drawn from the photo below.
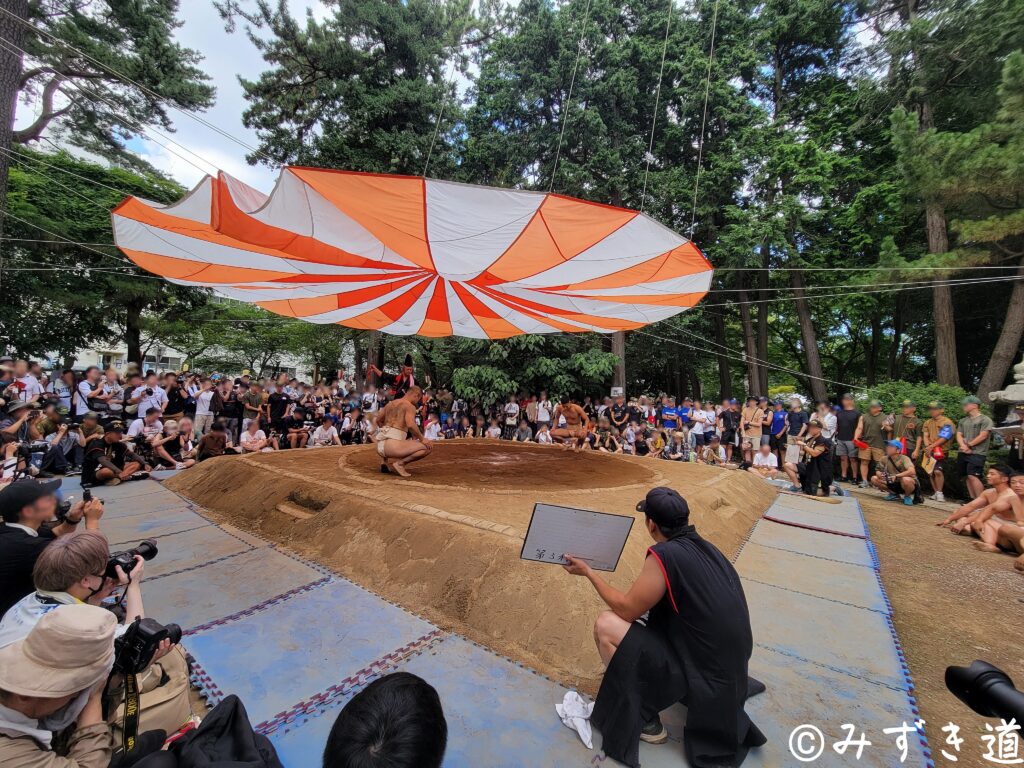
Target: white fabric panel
[696,283]
[280,291]
[585,306]
[463,323]
[338,315]
[409,323]
[286,208]
[197,205]
[470,227]
[525,323]
[141,237]
[637,241]
[247,198]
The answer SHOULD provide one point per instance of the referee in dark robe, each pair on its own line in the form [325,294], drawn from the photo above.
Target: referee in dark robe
[693,646]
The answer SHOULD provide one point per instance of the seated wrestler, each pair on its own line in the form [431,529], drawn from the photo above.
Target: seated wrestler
[1007,512]
[998,498]
[695,651]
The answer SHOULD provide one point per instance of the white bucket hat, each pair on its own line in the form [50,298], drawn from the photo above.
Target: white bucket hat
[69,650]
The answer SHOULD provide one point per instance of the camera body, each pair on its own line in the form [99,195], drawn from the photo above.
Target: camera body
[149,391]
[147,549]
[133,651]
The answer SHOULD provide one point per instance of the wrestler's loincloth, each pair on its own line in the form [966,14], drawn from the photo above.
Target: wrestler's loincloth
[389,433]
[576,430]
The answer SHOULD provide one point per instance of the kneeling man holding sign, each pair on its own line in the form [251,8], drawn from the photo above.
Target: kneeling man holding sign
[694,646]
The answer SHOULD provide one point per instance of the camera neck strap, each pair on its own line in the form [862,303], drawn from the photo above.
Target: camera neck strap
[130,724]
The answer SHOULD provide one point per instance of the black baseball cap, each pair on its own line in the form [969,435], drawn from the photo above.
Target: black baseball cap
[665,507]
[114,426]
[19,494]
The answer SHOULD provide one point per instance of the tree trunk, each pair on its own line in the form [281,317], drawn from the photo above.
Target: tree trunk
[359,375]
[375,353]
[749,344]
[14,32]
[724,373]
[898,314]
[1008,344]
[619,350]
[871,363]
[762,318]
[809,336]
[133,332]
[946,369]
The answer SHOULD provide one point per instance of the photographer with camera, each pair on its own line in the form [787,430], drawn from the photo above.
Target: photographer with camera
[23,422]
[80,569]
[151,394]
[90,394]
[28,507]
[110,461]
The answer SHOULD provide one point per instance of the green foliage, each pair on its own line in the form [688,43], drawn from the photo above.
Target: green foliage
[83,55]
[893,393]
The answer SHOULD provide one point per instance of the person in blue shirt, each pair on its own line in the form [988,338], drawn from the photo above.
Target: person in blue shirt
[798,419]
[670,415]
[684,411]
[780,424]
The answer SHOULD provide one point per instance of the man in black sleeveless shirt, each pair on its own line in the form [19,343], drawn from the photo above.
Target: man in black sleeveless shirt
[693,647]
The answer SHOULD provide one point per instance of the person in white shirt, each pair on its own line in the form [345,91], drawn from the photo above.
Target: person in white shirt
[324,435]
[204,414]
[828,420]
[29,388]
[511,411]
[115,392]
[544,435]
[629,439]
[151,394]
[494,431]
[90,394]
[254,439]
[143,430]
[63,387]
[433,430]
[766,463]
[544,410]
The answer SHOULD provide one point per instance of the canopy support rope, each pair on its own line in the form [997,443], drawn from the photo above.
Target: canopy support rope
[440,114]
[657,103]
[568,99]
[703,119]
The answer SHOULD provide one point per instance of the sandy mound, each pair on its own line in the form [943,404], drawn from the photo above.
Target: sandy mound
[445,544]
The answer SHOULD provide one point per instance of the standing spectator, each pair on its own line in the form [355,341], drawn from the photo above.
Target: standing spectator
[847,422]
[870,430]
[797,418]
[511,411]
[936,433]
[766,420]
[906,428]
[115,393]
[779,425]
[618,413]
[230,413]
[545,409]
[278,403]
[973,435]
[829,422]
[129,402]
[669,415]
[151,394]
[729,423]
[29,388]
[697,420]
[27,507]
[252,403]
[751,419]
[205,407]
[63,388]
[177,396]
[90,394]
[531,410]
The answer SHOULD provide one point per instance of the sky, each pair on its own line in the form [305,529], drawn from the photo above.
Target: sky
[225,57]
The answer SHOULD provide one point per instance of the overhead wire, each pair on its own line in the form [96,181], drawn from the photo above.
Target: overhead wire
[657,104]
[703,120]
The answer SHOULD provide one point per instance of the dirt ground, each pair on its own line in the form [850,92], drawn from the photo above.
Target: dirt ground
[445,544]
[951,605]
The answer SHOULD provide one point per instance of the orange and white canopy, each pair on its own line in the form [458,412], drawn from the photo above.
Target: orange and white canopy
[408,255]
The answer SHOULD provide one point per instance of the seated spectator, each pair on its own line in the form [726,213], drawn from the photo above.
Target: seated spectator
[111,461]
[142,432]
[395,722]
[543,434]
[326,434]
[54,679]
[354,429]
[172,447]
[494,431]
[523,434]
[713,453]
[432,430]
[22,424]
[296,433]
[56,432]
[678,448]
[765,464]
[998,499]
[214,443]
[28,508]
[896,474]
[656,443]
[254,439]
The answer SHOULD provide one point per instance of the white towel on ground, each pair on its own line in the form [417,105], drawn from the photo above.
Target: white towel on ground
[575,714]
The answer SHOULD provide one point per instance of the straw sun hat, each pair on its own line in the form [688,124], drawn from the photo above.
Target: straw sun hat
[69,650]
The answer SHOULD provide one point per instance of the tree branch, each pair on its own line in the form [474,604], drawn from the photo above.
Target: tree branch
[35,130]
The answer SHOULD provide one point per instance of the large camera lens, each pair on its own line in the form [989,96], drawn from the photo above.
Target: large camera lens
[173,633]
[147,549]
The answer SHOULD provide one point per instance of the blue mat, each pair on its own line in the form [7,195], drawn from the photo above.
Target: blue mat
[131,529]
[790,539]
[297,647]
